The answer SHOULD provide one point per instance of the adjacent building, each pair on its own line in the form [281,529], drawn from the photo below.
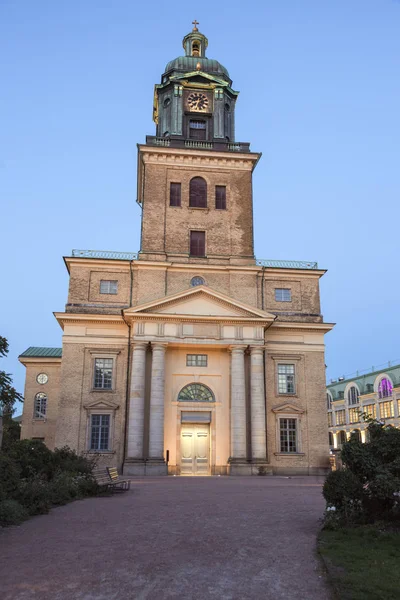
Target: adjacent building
[190,357]
[375,394]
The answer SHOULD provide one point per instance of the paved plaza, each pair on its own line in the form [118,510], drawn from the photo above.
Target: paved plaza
[176,537]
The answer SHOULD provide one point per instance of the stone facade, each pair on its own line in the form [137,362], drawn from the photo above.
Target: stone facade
[181,362]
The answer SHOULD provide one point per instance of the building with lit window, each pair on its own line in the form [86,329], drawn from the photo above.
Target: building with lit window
[190,357]
[375,394]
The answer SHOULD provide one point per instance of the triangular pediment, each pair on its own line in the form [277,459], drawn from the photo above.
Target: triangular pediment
[287,408]
[101,403]
[201,301]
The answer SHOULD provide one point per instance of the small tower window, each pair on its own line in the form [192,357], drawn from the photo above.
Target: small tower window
[197,130]
[220,197]
[175,194]
[198,243]
[195,49]
[198,193]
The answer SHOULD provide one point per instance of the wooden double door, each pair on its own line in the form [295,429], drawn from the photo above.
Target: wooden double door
[195,449]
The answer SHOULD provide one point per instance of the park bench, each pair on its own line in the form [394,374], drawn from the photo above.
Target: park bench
[124,484]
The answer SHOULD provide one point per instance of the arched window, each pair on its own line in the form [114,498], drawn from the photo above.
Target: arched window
[328,401]
[356,433]
[196,392]
[331,444]
[385,388]
[353,395]
[198,193]
[195,49]
[40,406]
[197,281]
[341,438]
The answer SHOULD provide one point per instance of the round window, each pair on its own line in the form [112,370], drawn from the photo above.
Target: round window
[197,281]
[167,102]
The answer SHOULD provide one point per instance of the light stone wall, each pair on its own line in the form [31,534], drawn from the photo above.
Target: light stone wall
[38,428]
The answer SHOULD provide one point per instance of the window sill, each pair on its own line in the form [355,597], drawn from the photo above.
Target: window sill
[97,452]
[38,420]
[289,454]
[294,395]
[198,208]
[110,391]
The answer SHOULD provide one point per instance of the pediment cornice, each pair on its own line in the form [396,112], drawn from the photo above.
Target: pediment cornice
[287,408]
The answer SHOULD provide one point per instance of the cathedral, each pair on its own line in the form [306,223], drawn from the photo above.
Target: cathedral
[191,357]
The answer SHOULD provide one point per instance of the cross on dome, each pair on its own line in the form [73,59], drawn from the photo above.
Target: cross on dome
[195,23]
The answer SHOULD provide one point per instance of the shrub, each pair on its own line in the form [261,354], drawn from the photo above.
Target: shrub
[9,477]
[368,489]
[63,488]
[33,457]
[12,513]
[35,496]
[66,459]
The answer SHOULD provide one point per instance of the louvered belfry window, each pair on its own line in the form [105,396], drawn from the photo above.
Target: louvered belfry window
[220,197]
[198,193]
[175,194]
[198,243]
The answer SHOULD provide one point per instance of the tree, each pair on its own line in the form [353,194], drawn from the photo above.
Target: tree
[8,394]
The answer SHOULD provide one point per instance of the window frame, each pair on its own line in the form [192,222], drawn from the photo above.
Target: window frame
[340,411]
[197,359]
[294,374]
[354,415]
[353,399]
[190,243]
[195,194]
[107,355]
[296,421]
[37,413]
[284,297]
[382,405]
[220,200]
[109,292]
[386,392]
[178,200]
[373,412]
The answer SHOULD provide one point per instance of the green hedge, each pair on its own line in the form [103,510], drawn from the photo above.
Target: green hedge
[34,478]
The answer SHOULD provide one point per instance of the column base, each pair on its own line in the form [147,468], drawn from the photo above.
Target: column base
[260,467]
[239,467]
[134,467]
[156,467]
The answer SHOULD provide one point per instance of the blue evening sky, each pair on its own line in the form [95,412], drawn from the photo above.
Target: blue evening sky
[320,98]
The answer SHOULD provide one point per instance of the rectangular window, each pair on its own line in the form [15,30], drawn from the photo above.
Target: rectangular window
[198,243]
[196,360]
[288,435]
[340,416]
[369,410]
[174,194]
[283,295]
[330,420]
[220,197]
[286,383]
[197,130]
[386,410]
[99,432]
[108,286]
[40,406]
[103,368]
[354,415]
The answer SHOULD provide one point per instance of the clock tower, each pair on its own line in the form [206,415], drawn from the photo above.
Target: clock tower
[195,100]
[194,178]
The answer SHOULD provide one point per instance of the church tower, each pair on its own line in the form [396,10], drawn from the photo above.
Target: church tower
[194,179]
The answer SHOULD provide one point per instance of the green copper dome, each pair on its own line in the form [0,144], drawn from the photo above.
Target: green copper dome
[187,64]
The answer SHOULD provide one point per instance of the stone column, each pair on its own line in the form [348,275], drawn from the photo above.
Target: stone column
[134,464]
[257,399]
[238,412]
[156,464]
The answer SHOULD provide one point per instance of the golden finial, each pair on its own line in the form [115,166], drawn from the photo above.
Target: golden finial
[198,66]
[195,23]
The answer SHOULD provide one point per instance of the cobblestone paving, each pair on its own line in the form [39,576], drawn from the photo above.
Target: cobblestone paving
[188,538]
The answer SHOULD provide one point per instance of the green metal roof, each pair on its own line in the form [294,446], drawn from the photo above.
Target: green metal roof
[189,63]
[36,351]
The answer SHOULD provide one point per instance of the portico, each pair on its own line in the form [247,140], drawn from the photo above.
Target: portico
[177,401]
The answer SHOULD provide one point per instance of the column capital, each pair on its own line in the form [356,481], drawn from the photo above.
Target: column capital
[140,345]
[240,348]
[257,349]
[162,346]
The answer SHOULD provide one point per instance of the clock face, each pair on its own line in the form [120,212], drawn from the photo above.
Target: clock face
[42,378]
[198,102]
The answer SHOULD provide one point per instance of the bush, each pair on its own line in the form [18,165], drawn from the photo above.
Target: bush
[65,459]
[9,477]
[368,489]
[33,457]
[35,496]
[12,513]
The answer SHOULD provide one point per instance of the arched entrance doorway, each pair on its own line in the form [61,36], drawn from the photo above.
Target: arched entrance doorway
[195,430]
